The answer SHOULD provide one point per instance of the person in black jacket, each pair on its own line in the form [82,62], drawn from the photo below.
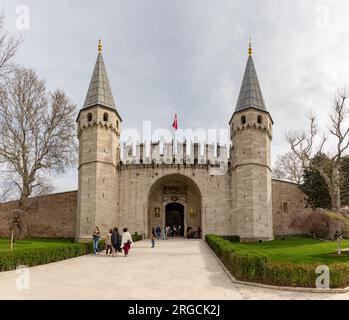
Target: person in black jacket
[115,240]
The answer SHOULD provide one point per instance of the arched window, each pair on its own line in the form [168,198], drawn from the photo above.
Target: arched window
[105,117]
[117,124]
[259,119]
[89,117]
[243,120]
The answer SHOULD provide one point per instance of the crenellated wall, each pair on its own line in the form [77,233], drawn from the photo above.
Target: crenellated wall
[172,153]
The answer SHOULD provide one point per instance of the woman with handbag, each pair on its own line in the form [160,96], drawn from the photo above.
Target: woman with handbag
[126,241]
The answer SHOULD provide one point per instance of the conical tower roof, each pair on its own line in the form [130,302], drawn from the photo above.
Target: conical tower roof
[99,92]
[250,93]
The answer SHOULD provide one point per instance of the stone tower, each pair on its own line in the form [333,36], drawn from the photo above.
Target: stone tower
[99,127]
[251,135]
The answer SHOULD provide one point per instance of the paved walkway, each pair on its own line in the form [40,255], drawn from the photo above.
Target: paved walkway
[175,269]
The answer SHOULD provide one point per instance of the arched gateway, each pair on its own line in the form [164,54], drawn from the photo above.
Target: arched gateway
[175,200]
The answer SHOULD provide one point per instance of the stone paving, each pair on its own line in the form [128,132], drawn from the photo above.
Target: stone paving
[175,269]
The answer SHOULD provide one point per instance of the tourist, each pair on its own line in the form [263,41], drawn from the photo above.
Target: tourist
[126,241]
[168,231]
[179,230]
[153,237]
[108,243]
[189,232]
[164,233]
[158,232]
[172,231]
[116,241]
[96,238]
[198,233]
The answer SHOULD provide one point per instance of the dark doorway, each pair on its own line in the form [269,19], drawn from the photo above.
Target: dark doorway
[175,216]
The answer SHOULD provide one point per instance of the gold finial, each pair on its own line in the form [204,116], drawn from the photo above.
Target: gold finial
[100,47]
[250,48]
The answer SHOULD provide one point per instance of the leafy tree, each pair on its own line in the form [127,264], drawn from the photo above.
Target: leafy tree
[315,187]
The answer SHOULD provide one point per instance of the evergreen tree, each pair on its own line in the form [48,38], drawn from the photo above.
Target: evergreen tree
[315,187]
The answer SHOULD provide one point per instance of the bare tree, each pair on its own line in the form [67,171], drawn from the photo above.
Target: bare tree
[288,167]
[305,147]
[8,48]
[36,133]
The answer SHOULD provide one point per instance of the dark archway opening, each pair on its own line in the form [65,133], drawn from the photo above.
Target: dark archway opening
[175,217]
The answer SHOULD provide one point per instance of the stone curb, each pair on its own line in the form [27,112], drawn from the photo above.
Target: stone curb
[266,286]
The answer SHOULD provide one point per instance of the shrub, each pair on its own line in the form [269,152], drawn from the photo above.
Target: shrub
[260,270]
[232,238]
[30,257]
[136,237]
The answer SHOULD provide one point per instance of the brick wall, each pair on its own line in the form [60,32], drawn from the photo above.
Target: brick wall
[288,204]
[52,216]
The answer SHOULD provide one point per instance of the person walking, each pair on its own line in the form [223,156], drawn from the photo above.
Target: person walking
[164,233]
[126,241]
[153,237]
[158,233]
[108,243]
[115,240]
[174,231]
[198,233]
[96,237]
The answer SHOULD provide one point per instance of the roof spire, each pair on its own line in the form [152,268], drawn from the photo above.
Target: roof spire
[250,48]
[250,93]
[99,92]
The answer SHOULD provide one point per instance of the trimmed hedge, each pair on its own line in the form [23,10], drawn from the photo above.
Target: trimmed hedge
[37,256]
[232,238]
[261,270]
[137,237]
[31,257]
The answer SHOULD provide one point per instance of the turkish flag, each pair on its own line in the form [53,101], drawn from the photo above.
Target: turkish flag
[175,122]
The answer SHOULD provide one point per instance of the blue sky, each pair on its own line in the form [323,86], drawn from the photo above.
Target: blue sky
[189,56]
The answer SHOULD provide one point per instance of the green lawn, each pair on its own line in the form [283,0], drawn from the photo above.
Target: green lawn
[295,250]
[32,244]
